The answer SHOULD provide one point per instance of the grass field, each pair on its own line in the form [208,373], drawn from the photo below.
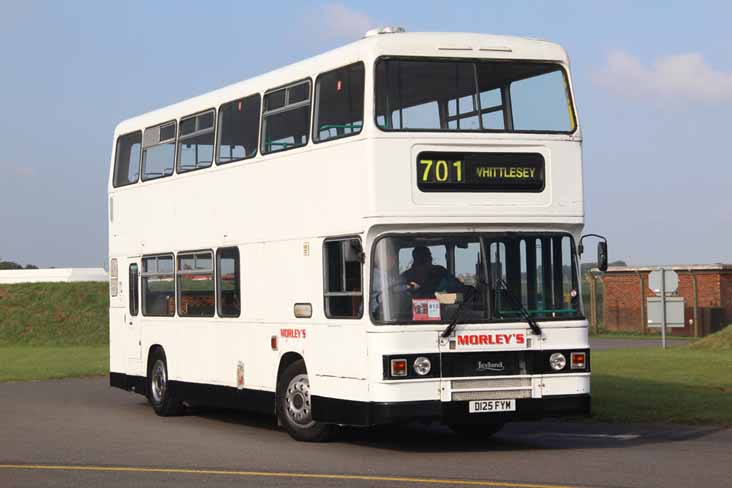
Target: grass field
[680,385]
[54,314]
[53,330]
[23,363]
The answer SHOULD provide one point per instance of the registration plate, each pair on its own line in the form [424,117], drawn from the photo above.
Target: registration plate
[488,406]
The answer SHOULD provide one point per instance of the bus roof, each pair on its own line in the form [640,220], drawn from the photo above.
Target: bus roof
[422,44]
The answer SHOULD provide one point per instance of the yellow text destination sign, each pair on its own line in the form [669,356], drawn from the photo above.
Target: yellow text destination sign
[480,172]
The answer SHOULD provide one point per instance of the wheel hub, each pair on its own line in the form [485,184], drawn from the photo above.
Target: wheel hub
[297,400]
[159,381]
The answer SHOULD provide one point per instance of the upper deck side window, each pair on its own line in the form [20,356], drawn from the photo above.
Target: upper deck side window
[127,159]
[238,129]
[158,151]
[339,103]
[196,141]
[456,95]
[286,118]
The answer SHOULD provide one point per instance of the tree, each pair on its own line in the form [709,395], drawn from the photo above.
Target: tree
[10,265]
[14,265]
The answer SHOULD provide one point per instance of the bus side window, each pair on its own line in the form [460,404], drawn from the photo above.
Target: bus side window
[196,284]
[196,142]
[158,151]
[238,130]
[158,286]
[343,291]
[339,103]
[127,159]
[229,283]
[134,290]
[286,118]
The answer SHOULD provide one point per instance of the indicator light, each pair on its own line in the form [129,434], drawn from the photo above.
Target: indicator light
[578,360]
[398,367]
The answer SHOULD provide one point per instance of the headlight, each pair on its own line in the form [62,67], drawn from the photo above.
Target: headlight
[557,361]
[422,366]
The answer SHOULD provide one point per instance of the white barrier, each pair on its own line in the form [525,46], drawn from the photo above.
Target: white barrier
[55,275]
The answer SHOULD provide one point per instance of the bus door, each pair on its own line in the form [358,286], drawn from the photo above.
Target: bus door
[133,331]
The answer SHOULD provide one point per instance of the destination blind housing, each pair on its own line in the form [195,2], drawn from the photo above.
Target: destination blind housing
[480,172]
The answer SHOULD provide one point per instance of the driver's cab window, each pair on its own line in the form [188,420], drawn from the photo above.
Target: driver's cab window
[425,279]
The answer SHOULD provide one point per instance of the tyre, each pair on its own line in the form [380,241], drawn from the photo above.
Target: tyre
[159,391]
[476,431]
[293,406]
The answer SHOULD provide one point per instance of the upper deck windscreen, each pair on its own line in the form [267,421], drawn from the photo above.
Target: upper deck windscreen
[490,96]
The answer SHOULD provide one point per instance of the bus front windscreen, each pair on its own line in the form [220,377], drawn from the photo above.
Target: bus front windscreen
[487,96]
[485,278]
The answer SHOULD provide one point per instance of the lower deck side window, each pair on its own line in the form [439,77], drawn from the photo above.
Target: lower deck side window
[158,286]
[134,292]
[229,287]
[196,284]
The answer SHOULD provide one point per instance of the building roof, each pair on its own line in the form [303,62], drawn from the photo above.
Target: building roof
[675,267]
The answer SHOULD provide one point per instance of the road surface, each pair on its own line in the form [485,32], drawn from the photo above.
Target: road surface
[80,432]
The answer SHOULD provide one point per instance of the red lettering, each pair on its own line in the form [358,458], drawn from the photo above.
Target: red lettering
[501,339]
[304,334]
[520,338]
[474,340]
[483,339]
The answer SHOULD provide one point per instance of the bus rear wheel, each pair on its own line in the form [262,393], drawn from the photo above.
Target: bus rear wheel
[159,392]
[294,409]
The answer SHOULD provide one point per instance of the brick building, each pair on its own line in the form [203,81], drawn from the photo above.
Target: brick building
[706,289]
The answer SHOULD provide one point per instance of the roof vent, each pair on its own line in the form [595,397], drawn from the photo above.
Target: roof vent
[392,29]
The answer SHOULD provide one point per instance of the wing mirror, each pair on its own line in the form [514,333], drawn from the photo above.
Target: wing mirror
[602,256]
[601,250]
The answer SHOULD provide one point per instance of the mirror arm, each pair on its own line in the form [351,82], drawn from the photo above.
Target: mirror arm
[581,247]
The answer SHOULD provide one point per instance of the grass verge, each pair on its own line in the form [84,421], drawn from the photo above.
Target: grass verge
[54,314]
[24,363]
[677,385]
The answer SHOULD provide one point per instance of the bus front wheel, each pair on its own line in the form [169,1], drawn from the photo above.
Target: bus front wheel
[294,407]
[159,393]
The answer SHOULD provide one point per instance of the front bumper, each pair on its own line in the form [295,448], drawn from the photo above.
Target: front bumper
[348,412]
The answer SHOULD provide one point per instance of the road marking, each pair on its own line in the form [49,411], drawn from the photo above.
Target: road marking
[614,437]
[275,474]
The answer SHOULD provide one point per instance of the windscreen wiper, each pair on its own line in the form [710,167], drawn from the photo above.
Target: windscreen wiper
[453,323]
[518,305]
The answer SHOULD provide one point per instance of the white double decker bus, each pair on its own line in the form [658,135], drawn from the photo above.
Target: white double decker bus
[381,233]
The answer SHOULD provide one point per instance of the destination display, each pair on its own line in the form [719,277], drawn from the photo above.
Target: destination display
[480,172]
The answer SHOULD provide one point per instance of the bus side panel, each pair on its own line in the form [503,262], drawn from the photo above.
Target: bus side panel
[117,336]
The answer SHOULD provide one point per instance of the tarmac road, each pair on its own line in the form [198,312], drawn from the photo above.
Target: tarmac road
[81,432]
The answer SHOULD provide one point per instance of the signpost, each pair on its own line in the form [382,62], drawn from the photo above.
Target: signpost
[663,281]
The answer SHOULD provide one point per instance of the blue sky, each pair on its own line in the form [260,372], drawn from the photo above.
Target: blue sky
[653,86]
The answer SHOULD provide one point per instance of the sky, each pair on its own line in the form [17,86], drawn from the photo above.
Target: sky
[653,86]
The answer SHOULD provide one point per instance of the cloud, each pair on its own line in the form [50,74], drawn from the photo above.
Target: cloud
[336,21]
[680,77]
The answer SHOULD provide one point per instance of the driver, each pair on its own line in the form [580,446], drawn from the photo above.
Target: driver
[424,278]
